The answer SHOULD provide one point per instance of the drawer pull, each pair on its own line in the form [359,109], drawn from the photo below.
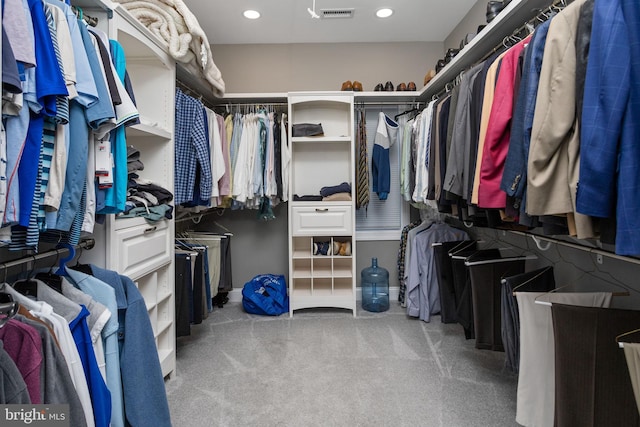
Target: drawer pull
[322,209]
[150,229]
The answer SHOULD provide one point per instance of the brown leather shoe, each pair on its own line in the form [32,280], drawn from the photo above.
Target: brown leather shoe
[357,86]
[430,74]
[411,86]
[401,87]
[347,85]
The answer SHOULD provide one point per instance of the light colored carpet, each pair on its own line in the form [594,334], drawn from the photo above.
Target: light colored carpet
[327,368]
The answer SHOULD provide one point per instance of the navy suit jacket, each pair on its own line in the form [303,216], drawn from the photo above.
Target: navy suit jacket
[610,140]
[514,178]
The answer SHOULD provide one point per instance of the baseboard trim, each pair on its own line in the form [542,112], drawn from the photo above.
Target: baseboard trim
[236,294]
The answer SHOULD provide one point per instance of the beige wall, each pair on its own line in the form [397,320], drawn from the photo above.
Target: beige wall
[475,17]
[295,67]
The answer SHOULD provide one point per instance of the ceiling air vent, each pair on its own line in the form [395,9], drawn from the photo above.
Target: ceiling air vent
[336,13]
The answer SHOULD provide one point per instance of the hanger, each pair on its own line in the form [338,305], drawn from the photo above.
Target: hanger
[28,286]
[497,260]
[413,110]
[462,246]
[621,344]
[529,279]
[62,265]
[548,303]
[8,309]
[53,280]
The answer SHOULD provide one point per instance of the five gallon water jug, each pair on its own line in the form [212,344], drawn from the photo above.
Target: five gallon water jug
[375,287]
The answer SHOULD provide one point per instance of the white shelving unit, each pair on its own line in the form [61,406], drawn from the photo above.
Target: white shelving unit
[132,246]
[316,162]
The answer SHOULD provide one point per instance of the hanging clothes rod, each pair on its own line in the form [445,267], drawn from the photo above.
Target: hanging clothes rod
[84,244]
[540,17]
[252,104]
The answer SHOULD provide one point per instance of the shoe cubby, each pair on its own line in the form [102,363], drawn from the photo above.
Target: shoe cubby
[322,267]
[321,277]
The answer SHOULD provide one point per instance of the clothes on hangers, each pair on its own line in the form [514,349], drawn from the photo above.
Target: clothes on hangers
[74,100]
[93,372]
[538,280]
[536,403]
[422,288]
[244,157]
[512,142]
[592,383]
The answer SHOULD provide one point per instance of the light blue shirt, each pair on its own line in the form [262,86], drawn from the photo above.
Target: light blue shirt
[106,295]
[85,84]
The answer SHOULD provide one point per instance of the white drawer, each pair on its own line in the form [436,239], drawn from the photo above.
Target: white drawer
[141,249]
[320,220]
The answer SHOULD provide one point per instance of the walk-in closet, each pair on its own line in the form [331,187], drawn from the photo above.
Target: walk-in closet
[319,213]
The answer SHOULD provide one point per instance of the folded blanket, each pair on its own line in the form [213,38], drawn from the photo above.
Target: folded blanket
[172,22]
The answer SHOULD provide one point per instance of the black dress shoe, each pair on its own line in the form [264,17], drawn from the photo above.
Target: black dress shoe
[378,88]
[493,8]
[388,87]
[440,65]
[451,52]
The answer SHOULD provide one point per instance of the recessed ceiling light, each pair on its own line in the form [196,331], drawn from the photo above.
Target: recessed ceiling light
[384,12]
[251,14]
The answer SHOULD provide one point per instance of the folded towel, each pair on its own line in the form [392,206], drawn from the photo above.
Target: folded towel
[174,24]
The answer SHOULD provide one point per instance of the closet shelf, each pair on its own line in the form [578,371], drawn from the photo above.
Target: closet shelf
[162,297]
[514,15]
[255,98]
[321,139]
[162,326]
[383,97]
[148,130]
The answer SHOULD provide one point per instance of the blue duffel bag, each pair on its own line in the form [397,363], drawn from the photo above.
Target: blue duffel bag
[266,294]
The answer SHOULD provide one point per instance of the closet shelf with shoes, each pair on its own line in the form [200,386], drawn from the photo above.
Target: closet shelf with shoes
[512,16]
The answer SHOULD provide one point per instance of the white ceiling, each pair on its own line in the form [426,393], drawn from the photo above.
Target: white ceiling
[287,21]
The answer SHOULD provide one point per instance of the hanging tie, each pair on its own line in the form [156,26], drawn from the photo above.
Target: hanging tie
[362,169]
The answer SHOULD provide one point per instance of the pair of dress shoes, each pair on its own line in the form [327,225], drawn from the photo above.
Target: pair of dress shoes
[388,87]
[356,86]
[451,53]
[494,8]
[411,86]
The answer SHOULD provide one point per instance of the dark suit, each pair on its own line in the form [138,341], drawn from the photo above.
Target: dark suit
[514,178]
[610,141]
